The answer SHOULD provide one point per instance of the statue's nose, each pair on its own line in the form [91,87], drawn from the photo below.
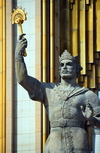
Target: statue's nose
[64,66]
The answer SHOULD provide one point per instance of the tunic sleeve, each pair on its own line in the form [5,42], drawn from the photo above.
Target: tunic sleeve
[39,91]
[36,91]
[95,103]
[97,109]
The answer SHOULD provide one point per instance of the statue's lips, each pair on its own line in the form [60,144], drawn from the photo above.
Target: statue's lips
[65,72]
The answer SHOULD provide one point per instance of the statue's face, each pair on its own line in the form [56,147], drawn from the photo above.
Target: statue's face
[67,69]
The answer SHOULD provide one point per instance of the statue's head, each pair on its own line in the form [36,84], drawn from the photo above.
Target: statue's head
[69,66]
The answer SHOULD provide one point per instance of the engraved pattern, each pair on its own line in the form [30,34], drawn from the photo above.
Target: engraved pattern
[63,96]
[69,140]
[67,108]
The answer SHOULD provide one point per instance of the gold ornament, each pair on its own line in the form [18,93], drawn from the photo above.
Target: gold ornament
[18,17]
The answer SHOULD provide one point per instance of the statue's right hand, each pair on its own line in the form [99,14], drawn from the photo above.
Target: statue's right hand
[88,111]
[20,47]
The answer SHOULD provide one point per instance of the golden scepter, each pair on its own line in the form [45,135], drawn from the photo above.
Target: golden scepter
[18,17]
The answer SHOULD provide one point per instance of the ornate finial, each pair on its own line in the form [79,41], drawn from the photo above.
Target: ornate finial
[67,55]
[18,16]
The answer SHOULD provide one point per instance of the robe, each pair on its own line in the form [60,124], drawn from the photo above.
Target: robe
[68,126]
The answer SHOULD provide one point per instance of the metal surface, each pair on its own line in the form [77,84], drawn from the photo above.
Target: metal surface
[51,40]
[2,77]
[44,66]
[18,17]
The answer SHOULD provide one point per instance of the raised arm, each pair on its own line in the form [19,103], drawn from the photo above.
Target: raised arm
[21,71]
[32,85]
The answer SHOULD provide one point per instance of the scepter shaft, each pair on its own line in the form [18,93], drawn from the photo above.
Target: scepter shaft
[21,31]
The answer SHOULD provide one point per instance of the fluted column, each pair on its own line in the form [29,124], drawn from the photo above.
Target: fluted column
[65,25]
[9,78]
[2,78]
[44,65]
[51,40]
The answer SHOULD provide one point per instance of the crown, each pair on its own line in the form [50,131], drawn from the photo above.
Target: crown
[67,55]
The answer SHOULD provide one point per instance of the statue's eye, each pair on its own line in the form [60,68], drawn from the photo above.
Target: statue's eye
[69,64]
[61,64]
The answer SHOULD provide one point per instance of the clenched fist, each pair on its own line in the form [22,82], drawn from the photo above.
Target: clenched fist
[21,45]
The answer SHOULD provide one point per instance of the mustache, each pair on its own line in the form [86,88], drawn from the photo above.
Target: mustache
[65,71]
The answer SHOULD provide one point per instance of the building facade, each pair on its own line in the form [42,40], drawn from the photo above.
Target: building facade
[51,27]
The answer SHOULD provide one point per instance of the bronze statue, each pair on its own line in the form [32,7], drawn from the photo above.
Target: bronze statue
[69,107]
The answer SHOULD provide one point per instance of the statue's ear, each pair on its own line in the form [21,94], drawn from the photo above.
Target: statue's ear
[59,58]
[76,58]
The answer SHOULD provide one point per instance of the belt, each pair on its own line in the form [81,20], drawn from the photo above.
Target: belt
[67,123]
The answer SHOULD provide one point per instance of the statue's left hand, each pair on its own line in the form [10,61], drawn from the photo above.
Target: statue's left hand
[21,45]
[88,111]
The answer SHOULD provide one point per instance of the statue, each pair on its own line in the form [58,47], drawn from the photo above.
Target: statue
[69,107]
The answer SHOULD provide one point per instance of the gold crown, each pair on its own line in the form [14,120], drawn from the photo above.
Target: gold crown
[67,55]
